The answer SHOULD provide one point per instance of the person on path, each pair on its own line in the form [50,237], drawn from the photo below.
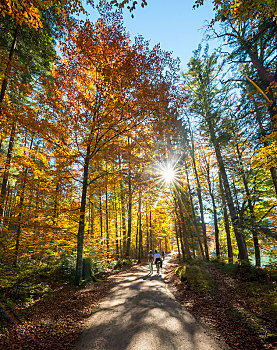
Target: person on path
[158,257]
[150,260]
[163,255]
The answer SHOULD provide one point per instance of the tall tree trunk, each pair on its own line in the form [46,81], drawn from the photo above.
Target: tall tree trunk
[180,233]
[139,230]
[92,218]
[137,233]
[193,213]
[55,209]
[37,207]
[243,255]
[101,217]
[107,222]
[7,170]
[123,218]
[8,68]
[81,230]
[130,199]
[183,226]
[147,230]
[116,225]
[150,229]
[20,211]
[216,230]
[226,222]
[266,143]
[177,239]
[199,195]
[19,218]
[251,209]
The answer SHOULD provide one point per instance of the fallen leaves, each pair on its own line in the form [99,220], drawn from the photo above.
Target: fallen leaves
[225,311]
[55,321]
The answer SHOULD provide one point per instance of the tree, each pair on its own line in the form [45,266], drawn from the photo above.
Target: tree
[206,100]
[113,93]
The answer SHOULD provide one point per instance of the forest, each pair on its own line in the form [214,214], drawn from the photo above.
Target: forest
[109,149]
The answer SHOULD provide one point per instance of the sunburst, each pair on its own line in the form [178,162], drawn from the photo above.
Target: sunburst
[167,174]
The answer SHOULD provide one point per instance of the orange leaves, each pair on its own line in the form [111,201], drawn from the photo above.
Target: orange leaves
[29,11]
[22,12]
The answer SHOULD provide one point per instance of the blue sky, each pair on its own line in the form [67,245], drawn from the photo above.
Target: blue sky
[172,23]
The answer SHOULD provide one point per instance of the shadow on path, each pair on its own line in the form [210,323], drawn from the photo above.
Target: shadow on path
[141,314]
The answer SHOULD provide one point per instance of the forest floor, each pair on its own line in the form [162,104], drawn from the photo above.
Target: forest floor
[140,313]
[231,310]
[55,321]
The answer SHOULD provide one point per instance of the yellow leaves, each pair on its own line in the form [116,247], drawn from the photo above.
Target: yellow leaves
[267,155]
[235,6]
[246,10]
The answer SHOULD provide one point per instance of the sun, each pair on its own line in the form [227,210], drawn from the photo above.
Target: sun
[168,175]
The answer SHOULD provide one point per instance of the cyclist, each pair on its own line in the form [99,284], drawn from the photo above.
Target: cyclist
[150,260]
[157,257]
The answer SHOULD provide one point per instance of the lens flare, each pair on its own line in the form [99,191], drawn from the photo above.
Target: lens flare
[168,175]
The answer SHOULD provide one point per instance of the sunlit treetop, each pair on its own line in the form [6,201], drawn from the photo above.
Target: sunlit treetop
[29,11]
[240,10]
[243,10]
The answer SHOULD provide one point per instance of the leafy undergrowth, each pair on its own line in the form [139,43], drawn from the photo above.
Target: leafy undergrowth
[38,311]
[238,307]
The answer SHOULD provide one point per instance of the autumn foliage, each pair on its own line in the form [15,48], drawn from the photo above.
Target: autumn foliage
[91,120]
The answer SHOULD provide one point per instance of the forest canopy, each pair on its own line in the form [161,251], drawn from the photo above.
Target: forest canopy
[109,150]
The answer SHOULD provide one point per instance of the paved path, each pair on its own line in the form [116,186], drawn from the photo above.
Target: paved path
[140,313]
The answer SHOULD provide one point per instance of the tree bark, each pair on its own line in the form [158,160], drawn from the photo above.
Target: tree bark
[266,143]
[7,170]
[101,217]
[184,230]
[8,68]
[193,214]
[107,222]
[20,212]
[226,222]
[243,255]
[130,199]
[116,225]
[123,218]
[81,230]
[216,230]
[199,195]
[177,239]
[150,229]
[251,209]
[139,230]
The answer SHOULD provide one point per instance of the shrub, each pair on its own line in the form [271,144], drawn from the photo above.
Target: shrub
[123,263]
[181,272]
[246,271]
[66,268]
[196,277]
